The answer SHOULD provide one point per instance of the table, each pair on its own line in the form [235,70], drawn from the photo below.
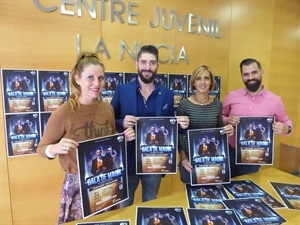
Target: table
[261,178]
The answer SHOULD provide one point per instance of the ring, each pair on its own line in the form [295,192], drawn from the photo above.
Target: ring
[64,148]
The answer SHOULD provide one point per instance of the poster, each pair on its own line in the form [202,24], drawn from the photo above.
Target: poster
[255,141]
[115,222]
[160,215]
[213,217]
[54,89]
[289,193]
[112,80]
[162,79]
[248,189]
[252,211]
[20,91]
[209,156]
[156,145]
[102,172]
[206,196]
[22,133]
[130,77]
[178,83]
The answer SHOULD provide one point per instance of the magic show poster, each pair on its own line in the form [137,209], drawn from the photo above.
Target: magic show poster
[209,156]
[156,145]
[255,141]
[102,172]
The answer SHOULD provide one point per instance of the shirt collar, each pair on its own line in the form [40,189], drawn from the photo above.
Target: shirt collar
[262,92]
[138,86]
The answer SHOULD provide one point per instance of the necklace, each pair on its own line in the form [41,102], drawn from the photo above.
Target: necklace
[201,103]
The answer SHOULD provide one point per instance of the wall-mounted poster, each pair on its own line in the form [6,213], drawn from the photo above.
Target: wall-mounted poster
[156,145]
[22,133]
[255,140]
[112,80]
[162,79]
[130,77]
[209,156]
[20,90]
[178,83]
[54,89]
[102,173]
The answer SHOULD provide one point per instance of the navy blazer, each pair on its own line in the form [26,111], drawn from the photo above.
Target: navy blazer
[124,103]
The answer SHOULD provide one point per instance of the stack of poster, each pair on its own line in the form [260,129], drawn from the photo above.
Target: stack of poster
[254,211]
[213,217]
[206,196]
[156,145]
[255,141]
[289,193]
[160,216]
[209,156]
[102,172]
[248,189]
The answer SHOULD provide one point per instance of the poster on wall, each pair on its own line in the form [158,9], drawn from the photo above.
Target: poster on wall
[156,145]
[20,91]
[112,222]
[54,89]
[162,79]
[209,156]
[102,173]
[178,83]
[44,117]
[22,133]
[255,141]
[130,77]
[112,80]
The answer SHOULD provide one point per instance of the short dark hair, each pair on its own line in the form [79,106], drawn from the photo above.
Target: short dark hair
[248,61]
[151,49]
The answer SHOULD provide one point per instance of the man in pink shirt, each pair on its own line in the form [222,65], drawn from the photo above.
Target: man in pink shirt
[252,100]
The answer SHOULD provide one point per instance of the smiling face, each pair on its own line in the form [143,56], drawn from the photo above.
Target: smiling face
[91,83]
[203,82]
[147,67]
[252,77]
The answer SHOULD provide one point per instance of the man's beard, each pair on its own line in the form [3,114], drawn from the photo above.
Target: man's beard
[253,87]
[147,80]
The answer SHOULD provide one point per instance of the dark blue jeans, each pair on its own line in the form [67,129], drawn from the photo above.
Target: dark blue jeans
[150,187]
[239,170]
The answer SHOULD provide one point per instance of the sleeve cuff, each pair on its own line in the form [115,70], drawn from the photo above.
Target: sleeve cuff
[48,154]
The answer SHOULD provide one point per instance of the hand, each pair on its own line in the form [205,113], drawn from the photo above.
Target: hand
[63,146]
[186,164]
[229,130]
[129,121]
[233,120]
[129,134]
[280,128]
[183,121]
